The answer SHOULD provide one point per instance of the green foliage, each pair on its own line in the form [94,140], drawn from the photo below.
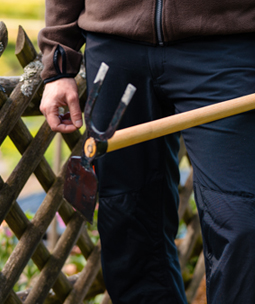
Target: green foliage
[8,241]
[78,260]
[181,230]
[10,65]
[11,156]
[192,203]
[29,9]
[13,13]
[30,272]
[92,229]
[96,300]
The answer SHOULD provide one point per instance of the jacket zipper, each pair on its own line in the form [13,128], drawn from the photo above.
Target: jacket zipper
[158,22]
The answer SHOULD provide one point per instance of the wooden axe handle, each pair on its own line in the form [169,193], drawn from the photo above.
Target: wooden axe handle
[157,128]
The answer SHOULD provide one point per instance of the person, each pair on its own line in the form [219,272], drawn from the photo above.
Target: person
[180,55]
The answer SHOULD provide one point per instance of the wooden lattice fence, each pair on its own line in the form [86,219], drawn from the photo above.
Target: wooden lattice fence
[20,96]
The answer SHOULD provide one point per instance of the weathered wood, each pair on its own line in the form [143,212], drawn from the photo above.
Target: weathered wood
[71,139]
[13,108]
[182,150]
[86,277]
[53,299]
[29,161]
[23,93]
[22,138]
[3,97]
[82,86]
[187,245]
[3,37]
[18,222]
[84,242]
[106,298]
[30,238]
[16,219]
[9,83]
[55,263]
[46,177]
[13,299]
[33,234]
[197,278]
[24,50]
[33,107]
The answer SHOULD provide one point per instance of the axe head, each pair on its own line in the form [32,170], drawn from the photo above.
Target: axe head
[80,188]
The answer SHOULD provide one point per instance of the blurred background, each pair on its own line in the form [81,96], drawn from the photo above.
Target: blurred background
[30,15]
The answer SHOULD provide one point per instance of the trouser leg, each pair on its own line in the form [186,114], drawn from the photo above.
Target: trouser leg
[138,192]
[222,154]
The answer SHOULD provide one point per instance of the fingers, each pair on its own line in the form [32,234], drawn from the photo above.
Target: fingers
[59,93]
[74,108]
[60,125]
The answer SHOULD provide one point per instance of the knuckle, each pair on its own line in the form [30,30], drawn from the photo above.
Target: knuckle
[76,114]
[54,128]
[42,108]
[73,98]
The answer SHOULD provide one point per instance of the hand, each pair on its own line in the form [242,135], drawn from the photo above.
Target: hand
[60,93]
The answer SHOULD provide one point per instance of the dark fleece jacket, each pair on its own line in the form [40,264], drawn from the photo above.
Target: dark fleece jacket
[147,21]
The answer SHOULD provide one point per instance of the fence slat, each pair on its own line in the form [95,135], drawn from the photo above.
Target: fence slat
[3,37]
[55,263]
[18,222]
[46,177]
[106,299]
[24,49]
[86,277]
[197,278]
[3,98]
[13,299]
[9,83]
[17,103]
[24,169]
[30,238]
[33,234]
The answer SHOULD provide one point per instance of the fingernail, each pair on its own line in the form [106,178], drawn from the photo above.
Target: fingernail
[78,123]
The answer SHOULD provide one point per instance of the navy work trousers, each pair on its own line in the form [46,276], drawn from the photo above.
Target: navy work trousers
[138,185]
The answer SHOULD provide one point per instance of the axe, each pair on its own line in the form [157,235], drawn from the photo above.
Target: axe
[80,187]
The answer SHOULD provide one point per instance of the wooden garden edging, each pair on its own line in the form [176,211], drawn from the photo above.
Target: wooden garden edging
[20,96]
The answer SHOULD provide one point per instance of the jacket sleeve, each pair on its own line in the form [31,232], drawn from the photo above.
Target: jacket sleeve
[61,37]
